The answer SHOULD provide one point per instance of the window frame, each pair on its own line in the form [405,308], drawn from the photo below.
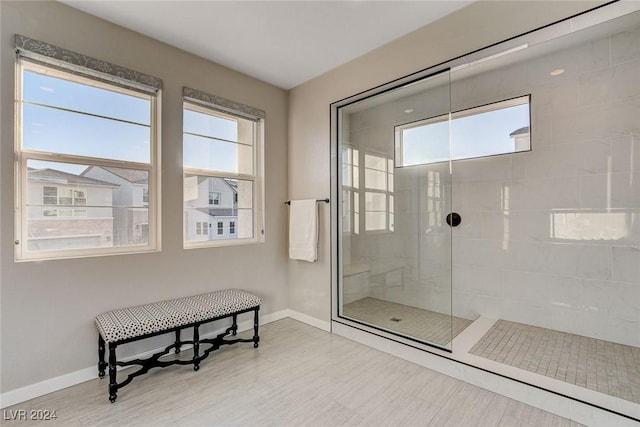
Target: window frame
[22,156]
[257,178]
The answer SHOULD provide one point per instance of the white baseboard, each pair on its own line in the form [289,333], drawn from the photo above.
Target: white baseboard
[311,321]
[32,391]
[47,386]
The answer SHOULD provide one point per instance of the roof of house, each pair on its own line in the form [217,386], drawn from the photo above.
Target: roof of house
[214,212]
[134,176]
[232,183]
[60,177]
[521,131]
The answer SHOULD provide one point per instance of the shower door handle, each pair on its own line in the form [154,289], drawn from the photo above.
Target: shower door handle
[454,219]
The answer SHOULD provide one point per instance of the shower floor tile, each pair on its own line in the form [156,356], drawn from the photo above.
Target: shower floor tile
[603,366]
[425,325]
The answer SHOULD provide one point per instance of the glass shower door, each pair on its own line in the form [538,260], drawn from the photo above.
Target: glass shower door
[394,181]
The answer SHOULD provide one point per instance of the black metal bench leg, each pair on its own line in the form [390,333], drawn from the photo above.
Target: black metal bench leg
[113,385]
[196,348]
[178,341]
[256,337]
[102,365]
[234,327]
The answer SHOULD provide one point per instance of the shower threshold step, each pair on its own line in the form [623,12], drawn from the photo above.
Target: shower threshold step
[504,347]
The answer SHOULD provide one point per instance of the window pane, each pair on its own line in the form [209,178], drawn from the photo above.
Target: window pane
[235,206]
[356,177]
[375,201]
[346,210]
[58,131]
[346,174]
[375,221]
[210,125]
[216,155]
[245,224]
[63,93]
[374,162]
[425,144]
[73,206]
[494,132]
[375,180]
[244,194]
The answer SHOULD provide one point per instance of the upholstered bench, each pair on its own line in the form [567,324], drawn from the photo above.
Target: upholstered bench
[134,323]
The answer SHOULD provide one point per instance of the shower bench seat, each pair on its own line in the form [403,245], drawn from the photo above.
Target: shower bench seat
[135,323]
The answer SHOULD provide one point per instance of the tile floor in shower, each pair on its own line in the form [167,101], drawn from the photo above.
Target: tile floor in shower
[603,366]
[425,325]
[599,365]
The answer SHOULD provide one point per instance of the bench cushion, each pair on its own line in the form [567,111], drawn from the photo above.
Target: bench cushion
[118,325]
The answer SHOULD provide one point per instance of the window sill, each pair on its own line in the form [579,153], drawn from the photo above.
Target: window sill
[222,243]
[75,254]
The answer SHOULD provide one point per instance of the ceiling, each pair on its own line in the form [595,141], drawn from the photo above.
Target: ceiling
[284,43]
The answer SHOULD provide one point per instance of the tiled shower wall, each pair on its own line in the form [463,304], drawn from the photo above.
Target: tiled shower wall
[551,237]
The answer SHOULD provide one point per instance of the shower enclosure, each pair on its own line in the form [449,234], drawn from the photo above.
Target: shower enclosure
[501,189]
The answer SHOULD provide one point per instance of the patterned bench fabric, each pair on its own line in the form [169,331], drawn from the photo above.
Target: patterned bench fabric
[136,321]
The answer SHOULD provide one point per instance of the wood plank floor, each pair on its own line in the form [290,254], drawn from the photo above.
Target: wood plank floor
[300,376]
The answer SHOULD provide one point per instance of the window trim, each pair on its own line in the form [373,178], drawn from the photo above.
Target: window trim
[21,251]
[191,102]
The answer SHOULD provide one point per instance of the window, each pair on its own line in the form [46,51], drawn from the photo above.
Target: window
[378,196]
[202,228]
[499,128]
[214,197]
[86,142]
[350,186]
[66,198]
[222,155]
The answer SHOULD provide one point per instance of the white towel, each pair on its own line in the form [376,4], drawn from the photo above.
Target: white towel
[303,230]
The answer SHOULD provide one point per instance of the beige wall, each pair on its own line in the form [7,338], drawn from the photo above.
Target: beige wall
[476,26]
[48,307]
